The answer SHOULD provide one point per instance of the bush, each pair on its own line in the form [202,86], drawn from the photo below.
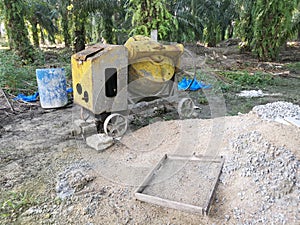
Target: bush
[14,76]
[242,78]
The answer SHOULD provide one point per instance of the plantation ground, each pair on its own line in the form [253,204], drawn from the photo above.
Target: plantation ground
[42,163]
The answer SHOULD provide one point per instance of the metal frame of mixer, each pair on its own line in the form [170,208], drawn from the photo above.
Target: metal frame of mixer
[110,102]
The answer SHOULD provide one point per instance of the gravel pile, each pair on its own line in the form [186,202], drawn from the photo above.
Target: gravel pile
[274,180]
[272,111]
[73,179]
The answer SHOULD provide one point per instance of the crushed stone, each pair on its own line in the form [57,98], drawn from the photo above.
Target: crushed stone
[272,111]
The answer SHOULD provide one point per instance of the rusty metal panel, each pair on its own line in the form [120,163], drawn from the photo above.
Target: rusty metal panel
[89,52]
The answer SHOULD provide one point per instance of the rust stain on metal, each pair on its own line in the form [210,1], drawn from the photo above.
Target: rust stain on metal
[89,52]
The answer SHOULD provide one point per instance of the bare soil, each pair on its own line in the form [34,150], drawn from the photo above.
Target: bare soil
[39,154]
[71,183]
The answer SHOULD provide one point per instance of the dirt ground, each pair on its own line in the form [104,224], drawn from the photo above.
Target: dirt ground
[70,183]
[40,155]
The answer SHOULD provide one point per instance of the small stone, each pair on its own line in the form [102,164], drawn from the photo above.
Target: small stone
[195,115]
[80,123]
[47,216]
[89,129]
[99,142]
[76,130]
[227,217]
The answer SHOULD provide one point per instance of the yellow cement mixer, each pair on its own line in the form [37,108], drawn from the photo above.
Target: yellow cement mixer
[151,64]
[107,79]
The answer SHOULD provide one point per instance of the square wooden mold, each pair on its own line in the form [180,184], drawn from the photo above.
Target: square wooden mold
[180,182]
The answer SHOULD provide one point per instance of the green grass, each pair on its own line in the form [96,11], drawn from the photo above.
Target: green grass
[229,83]
[14,204]
[293,67]
[246,79]
[15,77]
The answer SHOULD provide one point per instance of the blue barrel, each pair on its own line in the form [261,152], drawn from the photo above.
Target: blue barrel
[52,87]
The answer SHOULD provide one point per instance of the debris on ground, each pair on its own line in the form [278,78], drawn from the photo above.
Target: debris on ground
[251,94]
[272,175]
[191,85]
[73,179]
[259,183]
[27,98]
[282,112]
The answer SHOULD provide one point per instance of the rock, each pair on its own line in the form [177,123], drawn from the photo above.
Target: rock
[99,142]
[86,128]
[89,129]
[73,179]
[79,123]
[227,218]
[76,130]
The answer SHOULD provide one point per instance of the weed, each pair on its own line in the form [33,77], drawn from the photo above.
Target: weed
[14,204]
[294,67]
[246,79]
[15,77]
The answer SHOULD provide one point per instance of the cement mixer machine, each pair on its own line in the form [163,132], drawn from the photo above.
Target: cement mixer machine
[109,79]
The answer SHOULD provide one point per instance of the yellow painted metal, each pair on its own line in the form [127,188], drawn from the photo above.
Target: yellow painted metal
[151,63]
[95,87]
[151,67]
[82,74]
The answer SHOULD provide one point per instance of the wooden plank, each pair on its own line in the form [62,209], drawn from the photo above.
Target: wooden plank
[204,209]
[215,183]
[169,203]
[199,158]
[149,177]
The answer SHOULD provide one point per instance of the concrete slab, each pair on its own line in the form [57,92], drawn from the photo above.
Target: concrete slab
[99,142]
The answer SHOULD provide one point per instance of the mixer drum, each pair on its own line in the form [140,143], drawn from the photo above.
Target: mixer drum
[151,65]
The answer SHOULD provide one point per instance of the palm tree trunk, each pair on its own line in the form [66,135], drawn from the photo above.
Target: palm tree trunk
[17,31]
[65,26]
[42,36]
[108,30]
[79,43]
[35,36]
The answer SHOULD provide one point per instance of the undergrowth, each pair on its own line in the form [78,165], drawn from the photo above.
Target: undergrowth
[246,79]
[293,67]
[15,77]
[14,204]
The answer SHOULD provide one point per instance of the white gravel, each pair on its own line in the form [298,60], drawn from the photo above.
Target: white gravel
[275,110]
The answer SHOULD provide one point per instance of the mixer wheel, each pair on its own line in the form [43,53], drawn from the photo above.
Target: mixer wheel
[115,125]
[185,108]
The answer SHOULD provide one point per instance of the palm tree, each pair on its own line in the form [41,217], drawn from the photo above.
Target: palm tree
[65,16]
[151,15]
[16,29]
[107,10]
[189,24]
[40,13]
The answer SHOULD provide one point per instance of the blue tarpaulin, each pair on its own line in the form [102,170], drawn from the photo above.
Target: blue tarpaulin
[33,98]
[196,85]
[27,98]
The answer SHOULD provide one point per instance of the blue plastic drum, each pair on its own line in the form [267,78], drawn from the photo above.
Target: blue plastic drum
[52,87]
